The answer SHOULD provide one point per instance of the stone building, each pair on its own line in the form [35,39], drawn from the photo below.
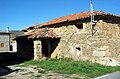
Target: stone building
[72,36]
[4,41]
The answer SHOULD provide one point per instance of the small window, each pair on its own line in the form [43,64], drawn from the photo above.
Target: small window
[78,48]
[1,44]
[79,26]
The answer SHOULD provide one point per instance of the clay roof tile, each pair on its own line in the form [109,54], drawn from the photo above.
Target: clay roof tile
[73,17]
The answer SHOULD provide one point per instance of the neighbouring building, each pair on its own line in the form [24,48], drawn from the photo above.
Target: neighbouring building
[71,36]
[4,41]
[13,34]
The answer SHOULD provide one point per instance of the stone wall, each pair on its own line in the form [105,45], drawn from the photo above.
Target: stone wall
[14,45]
[37,49]
[78,43]
[4,42]
[102,47]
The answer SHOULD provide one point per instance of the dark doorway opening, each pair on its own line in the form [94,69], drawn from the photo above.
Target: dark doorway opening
[25,48]
[49,45]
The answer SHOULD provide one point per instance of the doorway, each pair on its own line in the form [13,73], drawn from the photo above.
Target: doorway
[25,48]
[48,46]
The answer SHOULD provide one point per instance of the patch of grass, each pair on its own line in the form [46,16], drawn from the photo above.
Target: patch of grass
[69,66]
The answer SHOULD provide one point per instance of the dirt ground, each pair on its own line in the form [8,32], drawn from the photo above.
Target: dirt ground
[32,72]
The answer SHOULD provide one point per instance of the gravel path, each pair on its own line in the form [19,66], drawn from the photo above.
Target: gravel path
[32,72]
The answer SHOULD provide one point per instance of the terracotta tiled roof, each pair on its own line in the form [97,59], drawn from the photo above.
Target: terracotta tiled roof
[30,27]
[43,33]
[22,36]
[40,33]
[74,17]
